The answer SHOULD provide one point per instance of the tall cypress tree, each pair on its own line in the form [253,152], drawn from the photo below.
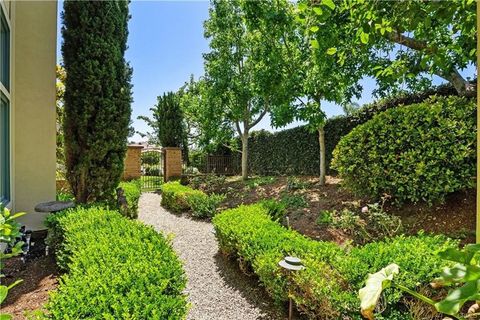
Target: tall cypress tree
[97,95]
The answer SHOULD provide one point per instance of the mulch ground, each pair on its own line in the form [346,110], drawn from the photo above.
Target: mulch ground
[455,217]
[39,275]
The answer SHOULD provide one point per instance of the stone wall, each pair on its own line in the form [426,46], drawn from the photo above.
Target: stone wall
[132,164]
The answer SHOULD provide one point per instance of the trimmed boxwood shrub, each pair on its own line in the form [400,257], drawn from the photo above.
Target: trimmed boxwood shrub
[115,269]
[327,288]
[174,196]
[179,198]
[414,153]
[133,191]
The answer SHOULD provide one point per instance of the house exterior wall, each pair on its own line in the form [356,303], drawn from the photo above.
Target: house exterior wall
[33,125]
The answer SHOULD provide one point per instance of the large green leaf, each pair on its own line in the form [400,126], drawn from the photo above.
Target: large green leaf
[3,293]
[455,299]
[375,284]
[459,273]
[465,256]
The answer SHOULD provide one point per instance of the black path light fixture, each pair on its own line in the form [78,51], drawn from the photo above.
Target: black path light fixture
[291,264]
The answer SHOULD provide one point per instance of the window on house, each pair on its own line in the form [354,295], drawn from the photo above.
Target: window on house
[4,151]
[4,109]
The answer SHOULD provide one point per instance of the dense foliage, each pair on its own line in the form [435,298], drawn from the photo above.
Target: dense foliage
[132,191]
[463,280]
[97,96]
[178,198]
[268,155]
[414,153]
[167,122]
[245,67]
[397,42]
[115,269]
[327,288]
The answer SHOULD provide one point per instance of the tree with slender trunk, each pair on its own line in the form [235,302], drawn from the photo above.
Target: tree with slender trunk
[244,66]
[97,100]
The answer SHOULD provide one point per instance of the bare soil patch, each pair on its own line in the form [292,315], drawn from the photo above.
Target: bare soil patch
[39,276]
[455,217]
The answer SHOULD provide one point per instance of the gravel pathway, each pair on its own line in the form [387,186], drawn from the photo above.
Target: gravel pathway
[216,287]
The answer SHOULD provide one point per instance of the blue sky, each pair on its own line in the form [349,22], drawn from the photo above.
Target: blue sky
[166,44]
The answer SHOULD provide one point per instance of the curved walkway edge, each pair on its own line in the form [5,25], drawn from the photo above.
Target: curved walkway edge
[216,288]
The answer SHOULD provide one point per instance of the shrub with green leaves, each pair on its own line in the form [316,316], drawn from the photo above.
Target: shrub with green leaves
[414,153]
[132,191]
[116,269]
[275,209]
[180,198]
[327,287]
[204,206]
[174,196]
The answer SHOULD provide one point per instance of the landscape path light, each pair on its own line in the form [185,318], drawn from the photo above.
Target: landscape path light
[291,264]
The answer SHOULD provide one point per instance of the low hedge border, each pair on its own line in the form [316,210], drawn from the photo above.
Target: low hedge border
[327,288]
[132,191]
[116,269]
[179,198]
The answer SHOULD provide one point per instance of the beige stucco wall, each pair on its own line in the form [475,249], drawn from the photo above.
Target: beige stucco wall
[34,27]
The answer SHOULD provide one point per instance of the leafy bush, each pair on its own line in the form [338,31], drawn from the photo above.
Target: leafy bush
[151,171]
[207,182]
[275,209]
[179,198]
[253,183]
[65,196]
[268,154]
[327,287]
[414,153]
[9,235]
[132,191]
[116,269]
[174,196]
[152,158]
[204,206]
[294,201]
[372,223]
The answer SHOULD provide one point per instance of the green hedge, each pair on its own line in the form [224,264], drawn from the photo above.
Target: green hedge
[174,196]
[133,191]
[179,198]
[328,286]
[296,151]
[116,269]
[414,153]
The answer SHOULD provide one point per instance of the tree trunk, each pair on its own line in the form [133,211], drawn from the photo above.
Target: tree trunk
[321,142]
[245,155]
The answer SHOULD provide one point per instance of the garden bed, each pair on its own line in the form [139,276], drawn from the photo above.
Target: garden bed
[452,218]
[39,275]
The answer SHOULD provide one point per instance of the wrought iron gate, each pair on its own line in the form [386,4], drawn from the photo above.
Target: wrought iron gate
[152,169]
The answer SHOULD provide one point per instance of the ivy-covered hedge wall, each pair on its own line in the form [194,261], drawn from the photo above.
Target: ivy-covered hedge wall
[296,151]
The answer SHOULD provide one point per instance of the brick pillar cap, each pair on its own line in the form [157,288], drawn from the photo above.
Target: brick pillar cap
[171,148]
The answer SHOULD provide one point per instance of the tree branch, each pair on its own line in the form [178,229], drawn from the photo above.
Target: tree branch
[462,86]
[254,123]
[237,126]
[409,42]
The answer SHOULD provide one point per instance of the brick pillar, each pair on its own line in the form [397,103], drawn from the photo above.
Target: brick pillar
[172,162]
[132,163]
